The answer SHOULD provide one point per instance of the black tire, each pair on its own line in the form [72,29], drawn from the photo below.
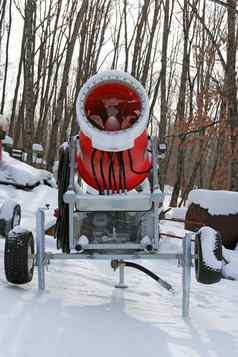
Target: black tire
[19,257]
[204,273]
[16,216]
[3,227]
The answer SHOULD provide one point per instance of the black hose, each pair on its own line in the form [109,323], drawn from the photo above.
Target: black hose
[148,272]
[132,168]
[94,171]
[123,170]
[110,173]
[62,224]
[101,170]
[113,172]
[120,173]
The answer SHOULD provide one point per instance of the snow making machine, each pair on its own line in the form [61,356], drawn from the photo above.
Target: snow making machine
[108,191]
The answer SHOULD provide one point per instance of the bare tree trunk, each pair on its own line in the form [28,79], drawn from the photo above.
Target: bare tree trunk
[139,38]
[14,104]
[126,36]
[19,125]
[30,14]
[7,57]
[63,87]
[146,65]
[51,76]
[3,4]
[163,87]
[232,92]
[180,116]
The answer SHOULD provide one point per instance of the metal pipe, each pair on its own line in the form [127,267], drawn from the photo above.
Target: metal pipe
[121,284]
[40,242]
[156,237]
[112,256]
[187,263]
[71,188]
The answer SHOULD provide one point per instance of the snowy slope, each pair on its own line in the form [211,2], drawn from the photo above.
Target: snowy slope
[81,313]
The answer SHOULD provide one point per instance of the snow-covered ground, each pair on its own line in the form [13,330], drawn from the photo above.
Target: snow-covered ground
[217,202]
[81,313]
[18,173]
[178,213]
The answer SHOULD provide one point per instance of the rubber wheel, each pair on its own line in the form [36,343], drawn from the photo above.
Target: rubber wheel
[204,273]
[19,257]
[16,216]
[2,227]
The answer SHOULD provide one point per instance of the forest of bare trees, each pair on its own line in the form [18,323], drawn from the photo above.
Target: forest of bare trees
[182,51]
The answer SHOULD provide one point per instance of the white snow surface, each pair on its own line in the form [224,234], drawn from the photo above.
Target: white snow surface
[230,270]
[7,205]
[217,202]
[208,240]
[30,201]
[81,313]
[6,208]
[178,213]
[8,140]
[37,147]
[15,171]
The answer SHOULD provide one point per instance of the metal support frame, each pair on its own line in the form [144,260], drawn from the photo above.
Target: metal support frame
[155,188]
[187,263]
[43,257]
[119,251]
[86,255]
[71,188]
[40,246]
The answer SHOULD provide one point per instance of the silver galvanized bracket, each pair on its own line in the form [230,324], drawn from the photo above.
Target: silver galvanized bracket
[40,247]
[121,284]
[187,264]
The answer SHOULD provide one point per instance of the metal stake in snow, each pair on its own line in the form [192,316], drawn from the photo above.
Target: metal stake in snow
[187,263]
[40,243]
[121,284]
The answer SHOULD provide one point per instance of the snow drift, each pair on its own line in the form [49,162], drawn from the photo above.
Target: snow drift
[16,172]
[217,202]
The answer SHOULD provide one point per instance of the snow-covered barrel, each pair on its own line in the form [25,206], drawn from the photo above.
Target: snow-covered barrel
[217,209]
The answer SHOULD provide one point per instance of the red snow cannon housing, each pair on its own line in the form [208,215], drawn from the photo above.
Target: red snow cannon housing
[112,112]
